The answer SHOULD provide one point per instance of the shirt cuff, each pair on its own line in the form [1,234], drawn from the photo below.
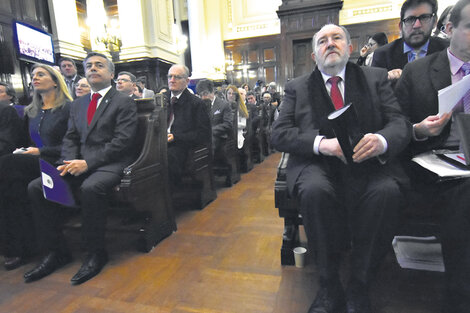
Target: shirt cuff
[415,138]
[384,143]
[316,144]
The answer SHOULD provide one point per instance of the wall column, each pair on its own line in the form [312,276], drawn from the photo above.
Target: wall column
[65,28]
[207,48]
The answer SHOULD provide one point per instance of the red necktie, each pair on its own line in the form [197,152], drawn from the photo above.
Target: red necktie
[92,106]
[335,94]
[173,101]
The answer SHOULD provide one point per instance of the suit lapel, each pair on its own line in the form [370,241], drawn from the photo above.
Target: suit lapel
[399,59]
[101,108]
[440,71]
[215,106]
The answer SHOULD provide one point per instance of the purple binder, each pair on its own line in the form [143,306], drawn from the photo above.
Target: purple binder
[54,187]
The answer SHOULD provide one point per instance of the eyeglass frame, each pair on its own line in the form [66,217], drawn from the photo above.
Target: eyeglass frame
[82,86]
[423,19]
[125,80]
[176,77]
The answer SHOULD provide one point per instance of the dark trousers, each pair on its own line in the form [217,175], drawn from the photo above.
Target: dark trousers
[177,155]
[341,210]
[453,198]
[17,228]
[91,189]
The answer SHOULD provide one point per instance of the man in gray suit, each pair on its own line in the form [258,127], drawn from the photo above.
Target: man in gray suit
[417,91]
[342,203]
[96,148]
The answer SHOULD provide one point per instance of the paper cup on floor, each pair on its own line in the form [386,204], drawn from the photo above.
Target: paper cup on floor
[299,256]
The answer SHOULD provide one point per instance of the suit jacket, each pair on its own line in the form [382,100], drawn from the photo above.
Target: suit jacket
[74,81]
[306,105]
[221,118]
[106,144]
[391,55]
[10,129]
[191,124]
[417,90]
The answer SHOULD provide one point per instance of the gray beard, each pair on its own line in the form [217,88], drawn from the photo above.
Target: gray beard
[333,70]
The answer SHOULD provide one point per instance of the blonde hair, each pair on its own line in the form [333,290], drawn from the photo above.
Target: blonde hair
[61,92]
[241,104]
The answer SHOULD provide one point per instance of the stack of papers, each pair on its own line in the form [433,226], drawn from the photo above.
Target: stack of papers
[420,253]
[433,163]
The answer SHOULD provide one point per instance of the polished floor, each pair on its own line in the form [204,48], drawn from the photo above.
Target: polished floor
[223,259]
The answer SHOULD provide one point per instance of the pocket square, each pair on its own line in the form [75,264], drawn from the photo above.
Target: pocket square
[217,112]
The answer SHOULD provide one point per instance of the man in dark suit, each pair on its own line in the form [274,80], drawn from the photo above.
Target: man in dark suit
[188,121]
[221,116]
[68,68]
[126,83]
[417,20]
[417,92]
[342,203]
[10,122]
[95,150]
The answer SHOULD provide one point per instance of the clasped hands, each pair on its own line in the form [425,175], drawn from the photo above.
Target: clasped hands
[73,167]
[368,147]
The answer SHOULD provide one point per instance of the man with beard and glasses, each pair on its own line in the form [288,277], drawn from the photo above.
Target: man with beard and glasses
[342,204]
[417,20]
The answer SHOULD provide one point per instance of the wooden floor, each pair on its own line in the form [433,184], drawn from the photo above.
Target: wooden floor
[223,259]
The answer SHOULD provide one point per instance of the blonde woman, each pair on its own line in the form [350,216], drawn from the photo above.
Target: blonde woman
[238,104]
[46,122]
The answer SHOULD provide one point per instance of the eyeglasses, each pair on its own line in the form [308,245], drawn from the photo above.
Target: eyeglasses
[122,80]
[176,77]
[82,86]
[423,19]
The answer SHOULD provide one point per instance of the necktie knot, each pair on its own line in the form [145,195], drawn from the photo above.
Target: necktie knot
[173,100]
[465,68]
[334,80]
[95,96]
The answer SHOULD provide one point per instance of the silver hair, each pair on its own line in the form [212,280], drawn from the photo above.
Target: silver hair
[346,32]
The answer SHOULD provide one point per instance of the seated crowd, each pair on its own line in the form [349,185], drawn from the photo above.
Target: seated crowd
[90,140]
[349,200]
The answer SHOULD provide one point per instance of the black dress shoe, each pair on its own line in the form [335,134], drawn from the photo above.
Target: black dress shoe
[328,300]
[13,262]
[49,264]
[92,265]
[357,299]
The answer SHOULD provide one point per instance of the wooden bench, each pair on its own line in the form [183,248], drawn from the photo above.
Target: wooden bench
[197,188]
[288,210]
[144,185]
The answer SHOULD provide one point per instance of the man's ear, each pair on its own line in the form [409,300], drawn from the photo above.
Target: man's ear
[449,28]
[350,48]
[313,57]
[400,25]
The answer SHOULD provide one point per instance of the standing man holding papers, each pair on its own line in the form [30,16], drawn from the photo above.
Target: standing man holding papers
[96,148]
[417,91]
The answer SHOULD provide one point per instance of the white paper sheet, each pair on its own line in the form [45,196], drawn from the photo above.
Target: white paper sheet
[451,95]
